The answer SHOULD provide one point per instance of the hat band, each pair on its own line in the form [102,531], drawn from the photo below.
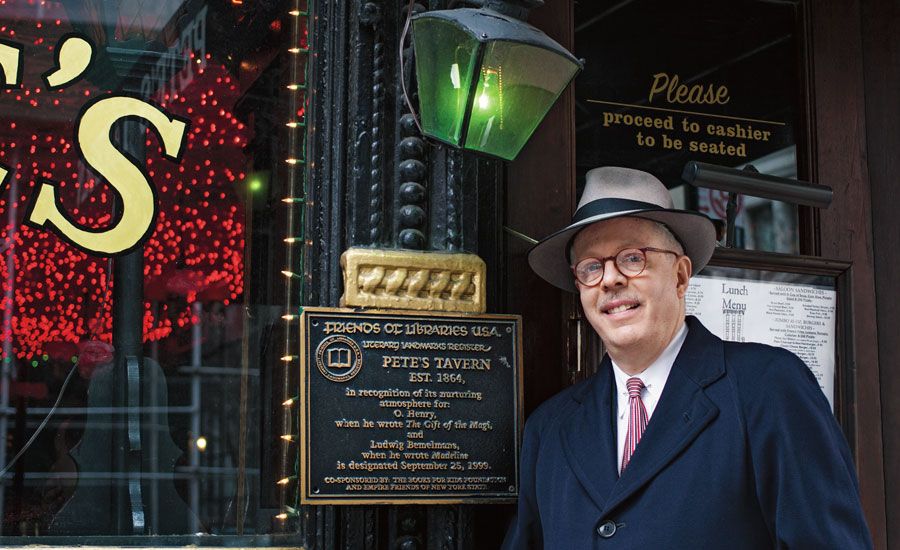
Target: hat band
[610,206]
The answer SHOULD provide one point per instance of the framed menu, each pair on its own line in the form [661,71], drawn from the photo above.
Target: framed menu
[799,303]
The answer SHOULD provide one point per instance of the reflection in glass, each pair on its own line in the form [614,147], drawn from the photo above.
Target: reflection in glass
[666,83]
[183,427]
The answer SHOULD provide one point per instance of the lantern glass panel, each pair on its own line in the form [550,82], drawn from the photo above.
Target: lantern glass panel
[517,85]
[445,64]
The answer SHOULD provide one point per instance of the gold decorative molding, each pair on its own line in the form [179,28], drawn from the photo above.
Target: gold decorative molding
[404,279]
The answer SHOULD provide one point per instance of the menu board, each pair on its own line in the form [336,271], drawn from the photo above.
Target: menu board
[409,408]
[799,317]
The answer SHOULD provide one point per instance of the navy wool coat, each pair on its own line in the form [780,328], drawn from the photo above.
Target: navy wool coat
[742,451]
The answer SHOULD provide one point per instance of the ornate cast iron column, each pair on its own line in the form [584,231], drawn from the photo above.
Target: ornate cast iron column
[416,222]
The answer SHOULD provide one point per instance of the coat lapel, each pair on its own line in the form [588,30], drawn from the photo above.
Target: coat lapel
[588,440]
[681,415]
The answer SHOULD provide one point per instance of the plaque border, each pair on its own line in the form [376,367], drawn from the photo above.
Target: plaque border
[304,417]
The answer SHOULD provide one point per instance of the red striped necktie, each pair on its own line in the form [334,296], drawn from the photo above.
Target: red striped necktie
[637,419]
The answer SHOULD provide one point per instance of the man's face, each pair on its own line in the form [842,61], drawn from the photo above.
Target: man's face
[635,317]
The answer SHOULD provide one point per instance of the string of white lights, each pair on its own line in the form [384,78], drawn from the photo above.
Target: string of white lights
[296,196]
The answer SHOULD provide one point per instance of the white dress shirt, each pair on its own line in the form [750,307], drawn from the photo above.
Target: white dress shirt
[654,378]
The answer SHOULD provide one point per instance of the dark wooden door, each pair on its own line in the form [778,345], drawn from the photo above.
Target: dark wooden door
[847,101]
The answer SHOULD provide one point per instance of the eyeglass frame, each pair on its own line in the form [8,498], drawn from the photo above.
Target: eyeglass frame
[642,250]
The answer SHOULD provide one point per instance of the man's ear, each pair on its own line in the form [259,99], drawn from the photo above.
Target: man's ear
[683,268]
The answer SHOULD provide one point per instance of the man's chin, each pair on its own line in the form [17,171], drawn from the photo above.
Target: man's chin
[620,336]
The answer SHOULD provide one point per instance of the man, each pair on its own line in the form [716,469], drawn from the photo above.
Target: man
[680,440]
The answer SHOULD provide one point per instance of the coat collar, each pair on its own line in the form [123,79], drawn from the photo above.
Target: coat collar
[588,439]
[683,411]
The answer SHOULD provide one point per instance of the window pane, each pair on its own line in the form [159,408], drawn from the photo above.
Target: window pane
[145,203]
[670,82]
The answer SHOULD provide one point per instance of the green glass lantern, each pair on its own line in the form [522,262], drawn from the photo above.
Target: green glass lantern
[486,79]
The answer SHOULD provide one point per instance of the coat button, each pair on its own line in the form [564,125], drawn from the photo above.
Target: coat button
[607,529]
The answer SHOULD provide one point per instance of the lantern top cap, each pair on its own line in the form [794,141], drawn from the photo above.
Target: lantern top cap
[516,8]
[487,25]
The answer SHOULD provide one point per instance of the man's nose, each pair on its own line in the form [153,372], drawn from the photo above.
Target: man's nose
[612,277]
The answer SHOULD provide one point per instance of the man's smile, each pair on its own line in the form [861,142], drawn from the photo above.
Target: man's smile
[619,306]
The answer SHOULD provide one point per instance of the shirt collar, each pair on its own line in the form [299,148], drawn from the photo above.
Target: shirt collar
[654,376]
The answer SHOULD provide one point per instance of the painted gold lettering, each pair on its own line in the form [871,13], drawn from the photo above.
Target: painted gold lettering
[660,83]
[676,92]
[138,201]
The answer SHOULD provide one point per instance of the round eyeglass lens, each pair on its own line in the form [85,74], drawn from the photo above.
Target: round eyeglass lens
[589,271]
[631,261]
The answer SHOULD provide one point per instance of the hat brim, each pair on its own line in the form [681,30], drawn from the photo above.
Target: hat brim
[696,232]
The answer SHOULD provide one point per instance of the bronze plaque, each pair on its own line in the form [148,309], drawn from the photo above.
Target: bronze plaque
[409,408]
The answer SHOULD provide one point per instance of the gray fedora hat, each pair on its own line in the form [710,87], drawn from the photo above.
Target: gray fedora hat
[613,192]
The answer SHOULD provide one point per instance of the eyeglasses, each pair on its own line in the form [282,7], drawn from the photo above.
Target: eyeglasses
[630,262]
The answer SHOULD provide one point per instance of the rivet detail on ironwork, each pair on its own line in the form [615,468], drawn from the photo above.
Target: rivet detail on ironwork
[376,149]
[412,206]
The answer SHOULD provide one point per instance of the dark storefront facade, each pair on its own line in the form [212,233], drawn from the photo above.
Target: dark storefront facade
[162,288]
